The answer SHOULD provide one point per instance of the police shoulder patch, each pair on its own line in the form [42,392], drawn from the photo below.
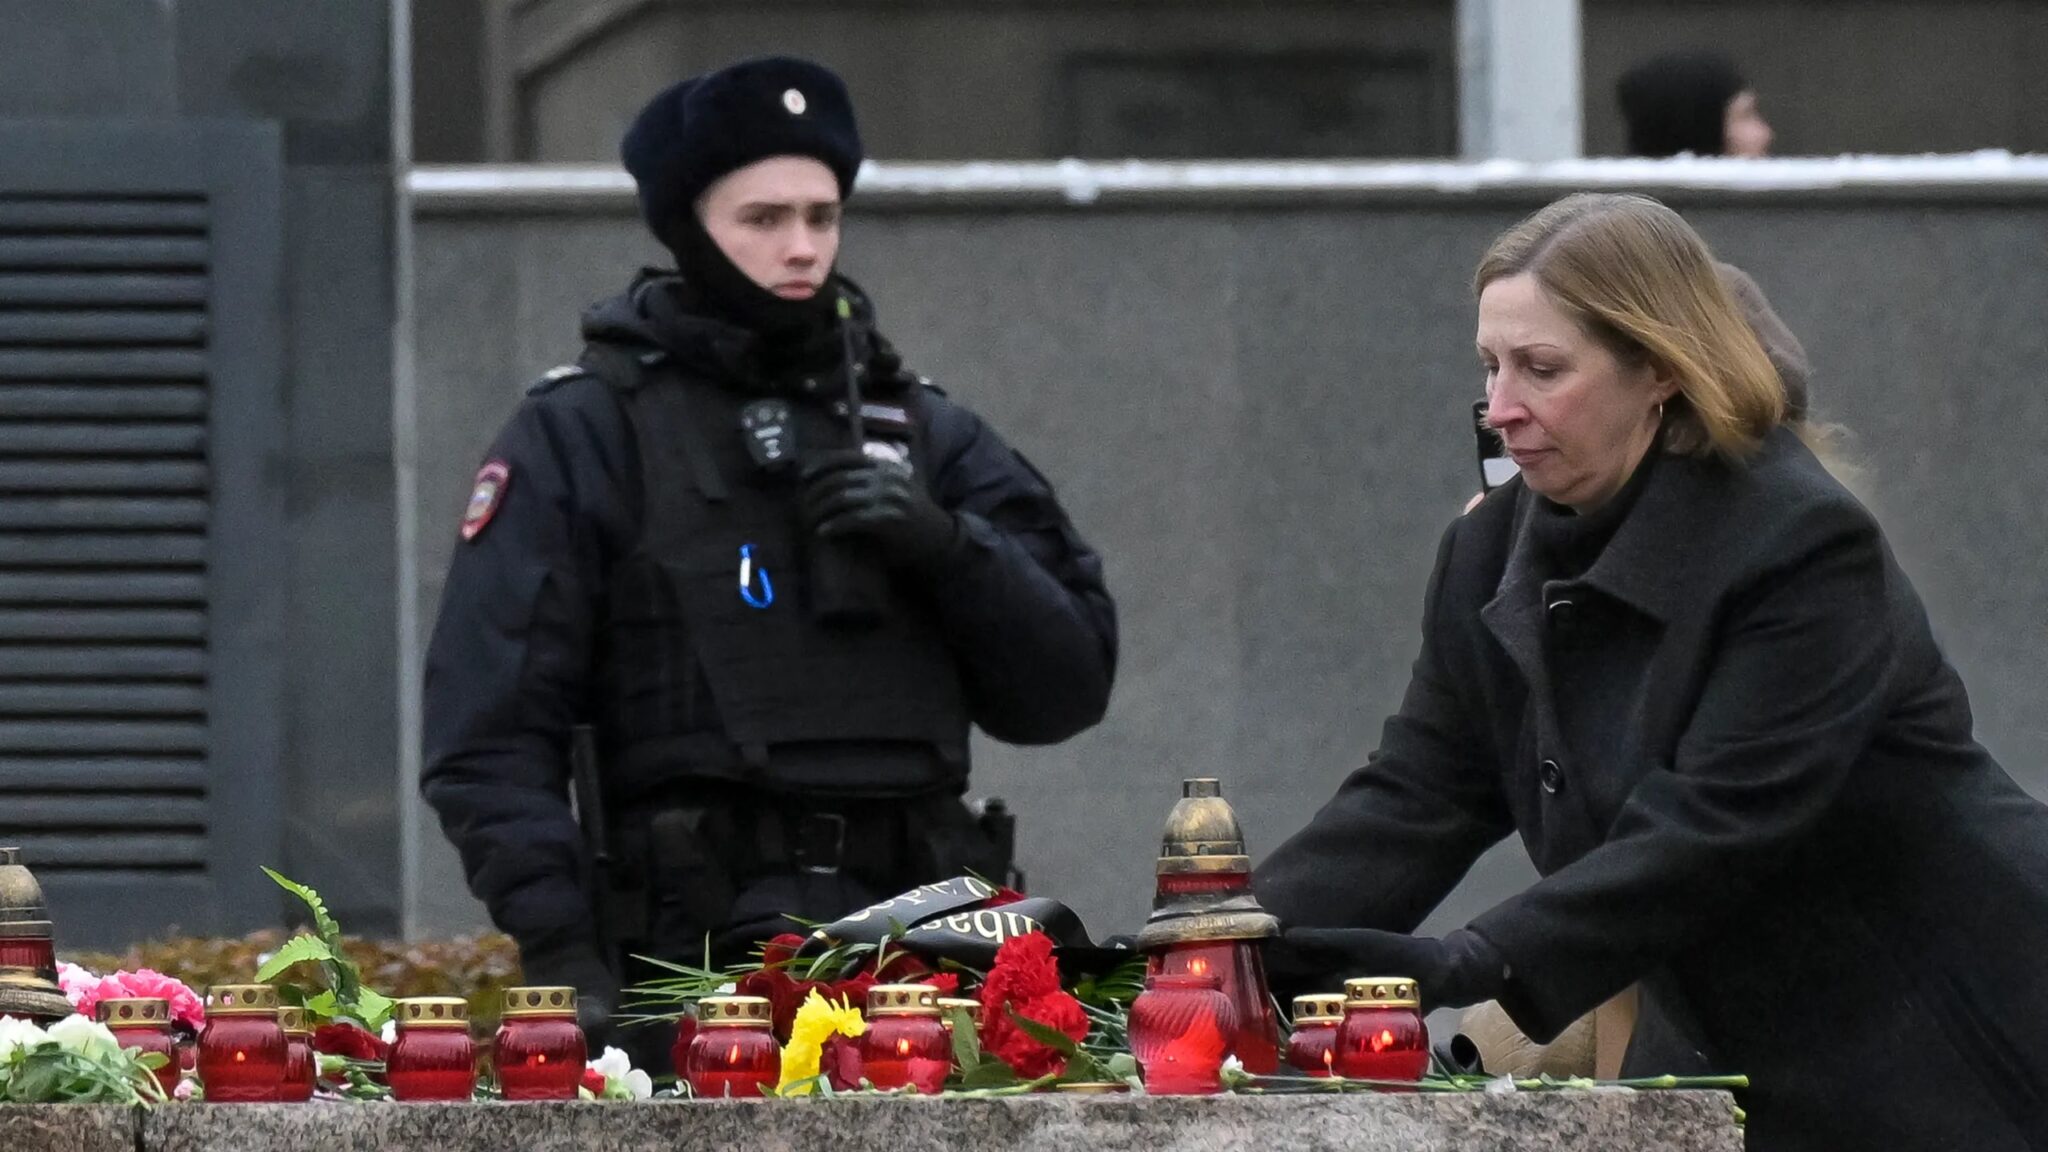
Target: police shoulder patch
[491,481]
[555,377]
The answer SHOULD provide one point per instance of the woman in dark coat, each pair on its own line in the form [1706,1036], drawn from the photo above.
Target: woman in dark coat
[1678,658]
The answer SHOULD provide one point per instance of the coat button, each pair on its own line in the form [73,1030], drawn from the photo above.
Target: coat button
[1550,776]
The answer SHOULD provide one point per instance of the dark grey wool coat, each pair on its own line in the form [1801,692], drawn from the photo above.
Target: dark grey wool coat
[1747,776]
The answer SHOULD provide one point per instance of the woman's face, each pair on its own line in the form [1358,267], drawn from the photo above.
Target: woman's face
[777,220]
[1576,418]
[1744,132]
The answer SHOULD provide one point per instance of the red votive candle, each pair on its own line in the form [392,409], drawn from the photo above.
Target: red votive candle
[144,1024]
[1179,1027]
[950,1005]
[242,1051]
[1382,1036]
[299,1064]
[1240,970]
[1312,1046]
[905,1045]
[679,1052]
[732,1052]
[433,1058]
[540,1048]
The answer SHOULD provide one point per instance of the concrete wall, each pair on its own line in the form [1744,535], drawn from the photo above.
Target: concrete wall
[947,79]
[1258,410]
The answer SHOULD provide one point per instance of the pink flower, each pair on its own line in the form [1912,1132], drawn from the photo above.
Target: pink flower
[74,980]
[186,1007]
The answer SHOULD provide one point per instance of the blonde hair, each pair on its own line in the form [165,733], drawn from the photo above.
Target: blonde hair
[1637,277]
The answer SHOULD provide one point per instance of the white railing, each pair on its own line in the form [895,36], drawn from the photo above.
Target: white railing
[1075,183]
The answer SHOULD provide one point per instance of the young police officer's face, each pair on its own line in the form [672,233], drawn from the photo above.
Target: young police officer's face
[1576,417]
[777,220]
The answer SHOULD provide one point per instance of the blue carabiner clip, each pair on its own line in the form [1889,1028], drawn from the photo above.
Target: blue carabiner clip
[766,595]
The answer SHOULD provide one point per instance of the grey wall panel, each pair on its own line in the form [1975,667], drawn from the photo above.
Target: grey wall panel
[1260,415]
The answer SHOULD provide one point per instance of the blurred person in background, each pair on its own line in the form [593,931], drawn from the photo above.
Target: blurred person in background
[1693,102]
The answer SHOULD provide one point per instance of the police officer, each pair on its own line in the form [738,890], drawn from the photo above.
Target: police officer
[773,576]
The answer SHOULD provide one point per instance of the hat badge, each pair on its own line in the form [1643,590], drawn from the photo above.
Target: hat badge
[794,101]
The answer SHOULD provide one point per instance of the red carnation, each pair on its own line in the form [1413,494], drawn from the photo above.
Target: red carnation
[839,1060]
[345,1039]
[780,950]
[1003,896]
[593,1082]
[1026,976]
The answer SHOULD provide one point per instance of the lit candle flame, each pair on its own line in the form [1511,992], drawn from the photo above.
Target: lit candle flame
[903,1046]
[540,1058]
[1383,1041]
[1199,966]
[241,1057]
[732,1054]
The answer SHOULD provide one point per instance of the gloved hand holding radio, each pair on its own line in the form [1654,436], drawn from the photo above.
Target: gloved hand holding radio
[848,493]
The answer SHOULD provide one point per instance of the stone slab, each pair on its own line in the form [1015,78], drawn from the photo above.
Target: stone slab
[1603,1121]
[67,1128]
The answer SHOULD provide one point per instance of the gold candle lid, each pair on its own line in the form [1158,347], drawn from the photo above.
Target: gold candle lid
[538,1001]
[734,1012]
[293,1021]
[903,1000]
[1318,1008]
[948,1004]
[241,1000]
[1381,992]
[432,1012]
[131,1012]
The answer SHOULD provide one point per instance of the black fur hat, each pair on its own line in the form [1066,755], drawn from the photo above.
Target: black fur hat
[702,128]
[1678,102]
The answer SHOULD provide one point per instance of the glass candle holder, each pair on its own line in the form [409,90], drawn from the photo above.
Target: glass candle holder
[1179,1027]
[540,1050]
[300,1067]
[1312,1046]
[905,1046]
[949,1006]
[433,1057]
[35,953]
[144,1024]
[679,1052]
[1240,970]
[242,1050]
[1382,1036]
[732,1053]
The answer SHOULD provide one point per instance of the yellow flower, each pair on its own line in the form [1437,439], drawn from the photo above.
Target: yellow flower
[817,1020]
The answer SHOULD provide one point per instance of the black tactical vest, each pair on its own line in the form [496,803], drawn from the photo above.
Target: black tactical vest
[706,678]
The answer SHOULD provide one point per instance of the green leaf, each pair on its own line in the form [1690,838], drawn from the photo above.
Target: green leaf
[321,1005]
[966,1043]
[328,929]
[990,1073]
[1080,1065]
[296,950]
[374,1006]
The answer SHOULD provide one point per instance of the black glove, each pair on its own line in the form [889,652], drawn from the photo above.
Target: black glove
[847,493]
[578,967]
[1459,970]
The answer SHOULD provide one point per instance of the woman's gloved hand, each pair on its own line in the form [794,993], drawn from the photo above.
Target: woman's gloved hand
[1458,970]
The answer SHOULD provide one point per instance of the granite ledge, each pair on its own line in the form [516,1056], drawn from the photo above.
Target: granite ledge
[1598,1121]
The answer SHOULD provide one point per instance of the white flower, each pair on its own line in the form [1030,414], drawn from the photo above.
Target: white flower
[1501,1086]
[391,1031]
[614,1064]
[75,1033]
[1232,1064]
[17,1034]
[622,1081]
[183,1091]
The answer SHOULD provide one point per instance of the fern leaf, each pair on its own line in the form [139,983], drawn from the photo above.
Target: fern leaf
[296,950]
